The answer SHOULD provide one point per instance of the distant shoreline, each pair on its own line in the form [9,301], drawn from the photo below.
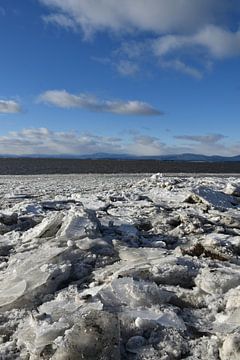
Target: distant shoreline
[38,166]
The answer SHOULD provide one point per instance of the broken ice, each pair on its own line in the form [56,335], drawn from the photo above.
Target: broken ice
[110,267]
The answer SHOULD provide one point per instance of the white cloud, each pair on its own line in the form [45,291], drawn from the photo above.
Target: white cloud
[46,142]
[63,99]
[179,52]
[147,145]
[60,20]
[153,15]
[9,106]
[127,68]
[217,42]
[180,66]
[220,43]
[203,139]
[202,29]
[210,144]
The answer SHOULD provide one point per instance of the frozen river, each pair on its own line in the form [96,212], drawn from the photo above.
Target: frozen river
[114,267]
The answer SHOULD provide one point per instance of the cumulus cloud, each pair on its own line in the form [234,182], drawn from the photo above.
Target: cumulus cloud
[46,142]
[63,99]
[9,106]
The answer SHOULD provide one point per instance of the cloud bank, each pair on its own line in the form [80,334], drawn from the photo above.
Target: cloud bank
[63,99]
[46,142]
[9,106]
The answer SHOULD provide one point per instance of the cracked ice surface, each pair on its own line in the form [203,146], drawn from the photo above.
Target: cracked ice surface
[119,267]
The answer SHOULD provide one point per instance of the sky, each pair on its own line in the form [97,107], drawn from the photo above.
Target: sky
[133,77]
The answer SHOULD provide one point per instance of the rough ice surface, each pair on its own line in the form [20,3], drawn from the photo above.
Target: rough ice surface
[133,267]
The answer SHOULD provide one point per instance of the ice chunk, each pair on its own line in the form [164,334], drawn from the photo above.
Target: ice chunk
[12,292]
[97,244]
[165,319]
[231,348]
[78,224]
[218,246]
[133,260]
[170,319]
[90,202]
[214,198]
[47,228]
[134,343]
[37,274]
[233,299]
[218,280]
[37,335]
[232,189]
[95,336]
[133,293]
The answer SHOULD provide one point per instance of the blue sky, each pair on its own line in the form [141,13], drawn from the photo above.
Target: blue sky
[146,78]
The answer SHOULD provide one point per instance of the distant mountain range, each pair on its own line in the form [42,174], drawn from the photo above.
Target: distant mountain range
[96,156]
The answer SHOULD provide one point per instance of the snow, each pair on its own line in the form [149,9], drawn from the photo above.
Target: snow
[115,267]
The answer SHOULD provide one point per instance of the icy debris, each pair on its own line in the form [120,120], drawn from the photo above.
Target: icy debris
[175,272]
[214,198]
[219,246]
[108,267]
[57,204]
[95,336]
[134,261]
[36,335]
[232,189]
[218,280]
[47,228]
[227,323]
[8,219]
[204,348]
[28,208]
[232,298]
[122,211]
[32,276]
[128,231]
[100,245]
[168,319]
[231,348]
[156,177]
[91,202]
[18,196]
[134,343]
[77,224]
[132,293]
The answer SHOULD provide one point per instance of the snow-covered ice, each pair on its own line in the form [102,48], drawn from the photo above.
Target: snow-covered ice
[114,267]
